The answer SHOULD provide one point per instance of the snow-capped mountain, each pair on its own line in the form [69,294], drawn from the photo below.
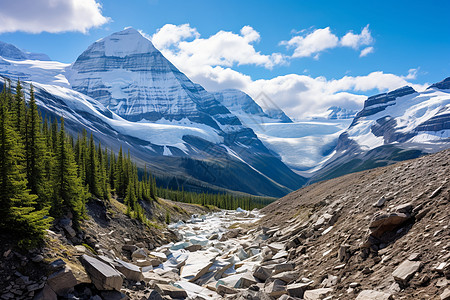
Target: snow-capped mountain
[393,126]
[125,91]
[247,110]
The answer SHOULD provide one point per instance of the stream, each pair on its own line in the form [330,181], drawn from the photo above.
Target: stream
[209,255]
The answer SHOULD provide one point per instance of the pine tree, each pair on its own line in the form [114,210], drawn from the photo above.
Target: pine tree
[35,152]
[17,211]
[69,193]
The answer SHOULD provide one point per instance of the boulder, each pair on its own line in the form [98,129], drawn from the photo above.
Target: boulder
[373,295]
[384,222]
[262,273]
[317,294]
[275,288]
[297,289]
[170,290]
[139,254]
[103,276]
[62,281]
[130,271]
[197,264]
[406,270]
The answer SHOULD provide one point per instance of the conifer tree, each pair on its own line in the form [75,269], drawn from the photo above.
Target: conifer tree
[17,211]
[69,193]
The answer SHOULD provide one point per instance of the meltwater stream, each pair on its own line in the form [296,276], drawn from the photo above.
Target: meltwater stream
[209,254]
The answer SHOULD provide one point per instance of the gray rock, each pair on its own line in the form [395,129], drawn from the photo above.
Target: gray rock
[380,202]
[286,276]
[406,270]
[445,295]
[62,281]
[103,276]
[170,290]
[275,288]
[330,281]
[317,294]
[130,271]
[297,289]
[373,295]
[139,254]
[283,268]
[262,273]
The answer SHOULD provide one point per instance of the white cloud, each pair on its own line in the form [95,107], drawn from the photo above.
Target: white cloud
[36,16]
[183,46]
[210,61]
[357,40]
[312,44]
[171,34]
[366,51]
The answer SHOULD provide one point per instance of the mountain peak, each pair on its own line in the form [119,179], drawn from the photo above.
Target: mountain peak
[126,42]
[12,52]
[442,85]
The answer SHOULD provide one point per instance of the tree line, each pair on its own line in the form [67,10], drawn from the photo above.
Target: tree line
[46,173]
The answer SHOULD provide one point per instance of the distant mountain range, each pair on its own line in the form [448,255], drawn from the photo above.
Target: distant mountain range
[128,94]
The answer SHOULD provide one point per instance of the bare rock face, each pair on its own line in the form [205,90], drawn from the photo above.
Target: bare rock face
[103,276]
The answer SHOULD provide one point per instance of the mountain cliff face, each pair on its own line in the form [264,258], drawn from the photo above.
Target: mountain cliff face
[393,126]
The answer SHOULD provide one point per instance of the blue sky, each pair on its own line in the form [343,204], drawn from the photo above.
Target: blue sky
[405,37]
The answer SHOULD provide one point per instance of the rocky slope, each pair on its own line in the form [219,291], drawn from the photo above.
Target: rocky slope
[379,234]
[58,269]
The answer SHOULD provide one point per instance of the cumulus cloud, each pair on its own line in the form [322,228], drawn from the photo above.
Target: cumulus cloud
[357,40]
[210,61]
[36,16]
[312,44]
[183,45]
